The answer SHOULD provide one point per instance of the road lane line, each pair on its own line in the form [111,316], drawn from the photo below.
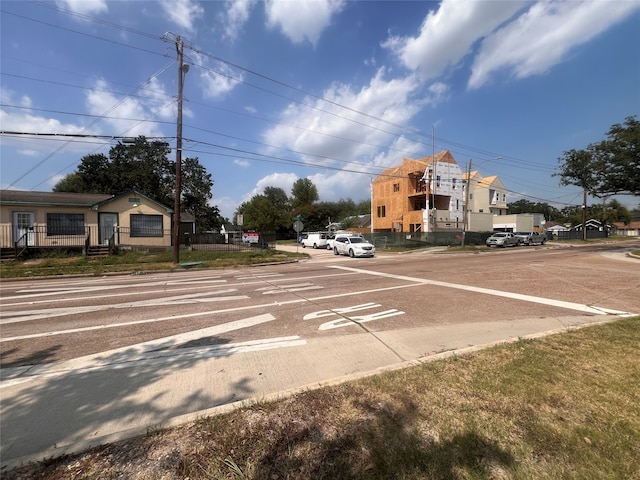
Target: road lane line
[28,315]
[207,313]
[487,291]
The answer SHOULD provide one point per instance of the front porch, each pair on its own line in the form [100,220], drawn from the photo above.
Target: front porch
[90,240]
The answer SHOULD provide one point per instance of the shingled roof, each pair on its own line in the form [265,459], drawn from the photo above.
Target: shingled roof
[23,197]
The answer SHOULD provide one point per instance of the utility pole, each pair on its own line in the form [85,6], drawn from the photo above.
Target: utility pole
[182,69]
[465,213]
[584,214]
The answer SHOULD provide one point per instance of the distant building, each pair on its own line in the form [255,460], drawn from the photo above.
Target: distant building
[419,195]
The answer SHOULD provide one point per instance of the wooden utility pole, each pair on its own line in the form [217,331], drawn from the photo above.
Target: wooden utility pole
[465,213]
[182,69]
[584,214]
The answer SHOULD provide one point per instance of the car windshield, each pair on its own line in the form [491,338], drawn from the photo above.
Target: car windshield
[357,240]
[499,234]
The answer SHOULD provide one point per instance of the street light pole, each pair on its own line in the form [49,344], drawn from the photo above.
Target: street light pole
[182,69]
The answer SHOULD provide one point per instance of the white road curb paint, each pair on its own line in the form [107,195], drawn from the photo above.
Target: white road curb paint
[487,291]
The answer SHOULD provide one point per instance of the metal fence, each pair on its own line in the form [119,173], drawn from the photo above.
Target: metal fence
[230,242]
[422,239]
[577,235]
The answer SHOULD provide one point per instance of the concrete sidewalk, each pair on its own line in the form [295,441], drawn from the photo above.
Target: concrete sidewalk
[70,406]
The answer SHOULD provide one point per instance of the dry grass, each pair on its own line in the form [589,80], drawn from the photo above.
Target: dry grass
[561,407]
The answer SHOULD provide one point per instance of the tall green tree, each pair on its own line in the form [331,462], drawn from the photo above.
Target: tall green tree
[526,206]
[303,193]
[260,214]
[196,186]
[609,167]
[145,166]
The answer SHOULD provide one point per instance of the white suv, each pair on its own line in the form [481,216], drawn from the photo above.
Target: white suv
[353,246]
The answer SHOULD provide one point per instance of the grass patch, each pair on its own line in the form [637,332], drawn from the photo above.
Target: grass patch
[559,407]
[129,261]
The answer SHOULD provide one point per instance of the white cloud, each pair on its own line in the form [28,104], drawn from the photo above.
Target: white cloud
[84,7]
[217,80]
[220,82]
[242,163]
[523,38]
[302,20]
[236,16]
[278,180]
[542,37]
[28,152]
[448,34]
[182,12]
[102,103]
[342,136]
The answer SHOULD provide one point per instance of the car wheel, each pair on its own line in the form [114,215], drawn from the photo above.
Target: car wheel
[351,253]
[304,246]
[335,250]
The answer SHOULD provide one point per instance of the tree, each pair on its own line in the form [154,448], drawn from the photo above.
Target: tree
[71,183]
[526,206]
[260,214]
[196,188]
[607,168]
[145,166]
[303,193]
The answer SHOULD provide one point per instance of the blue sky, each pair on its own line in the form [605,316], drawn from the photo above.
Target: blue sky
[330,90]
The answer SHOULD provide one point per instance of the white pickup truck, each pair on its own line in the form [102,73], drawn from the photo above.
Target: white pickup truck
[531,238]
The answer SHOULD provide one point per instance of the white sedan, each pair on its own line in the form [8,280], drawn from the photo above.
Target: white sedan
[353,246]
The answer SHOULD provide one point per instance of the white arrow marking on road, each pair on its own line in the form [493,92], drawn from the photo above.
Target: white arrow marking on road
[288,288]
[339,311]
[345,322]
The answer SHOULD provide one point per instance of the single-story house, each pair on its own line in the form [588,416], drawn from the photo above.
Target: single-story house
[64,220]
[630,230]
[592,224]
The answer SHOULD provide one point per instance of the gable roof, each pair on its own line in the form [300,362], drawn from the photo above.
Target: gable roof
[633,225]
[417,167]
[58,199]
[127,193]
[23,197]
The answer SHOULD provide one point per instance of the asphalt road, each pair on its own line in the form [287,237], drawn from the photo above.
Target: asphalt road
[95,359]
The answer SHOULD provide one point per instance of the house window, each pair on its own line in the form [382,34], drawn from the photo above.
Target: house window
[146,225]
[481,210]
[396,187]
[65,224]
[382,211]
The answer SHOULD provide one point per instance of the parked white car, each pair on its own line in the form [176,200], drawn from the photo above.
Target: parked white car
[315,240]
[353,246]
[331,238]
